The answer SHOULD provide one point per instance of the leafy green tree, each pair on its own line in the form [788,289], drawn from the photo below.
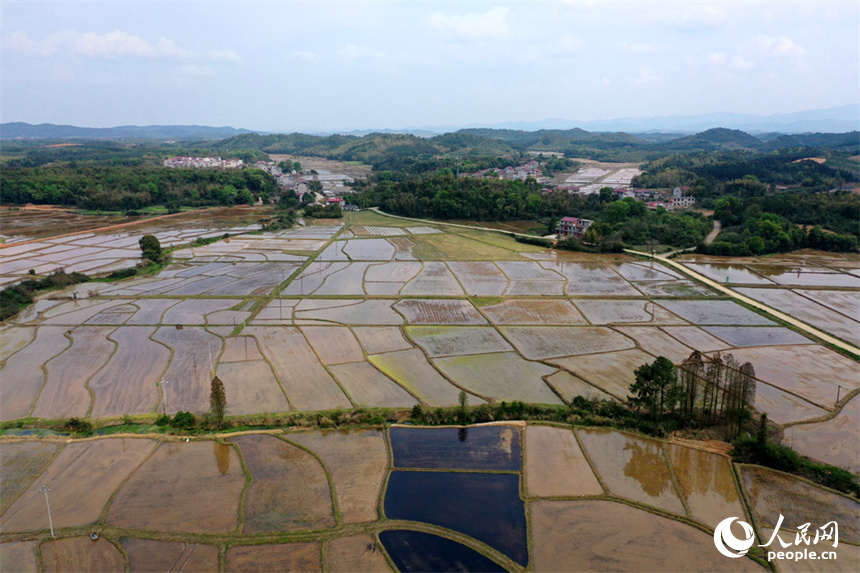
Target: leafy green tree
[150,247]
[617,211]
[656,388]
[606,194]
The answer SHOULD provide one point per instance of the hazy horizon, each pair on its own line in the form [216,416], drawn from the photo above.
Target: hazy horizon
[328,66]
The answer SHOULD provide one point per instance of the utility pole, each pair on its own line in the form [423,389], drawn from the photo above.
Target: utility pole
[46,490]
[164,391]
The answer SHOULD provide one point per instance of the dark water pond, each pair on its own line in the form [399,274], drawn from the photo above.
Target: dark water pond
[484,506]
[417,551]
[476,448]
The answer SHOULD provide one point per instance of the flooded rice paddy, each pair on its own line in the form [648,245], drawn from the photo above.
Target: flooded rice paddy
[493,496]
[390,319]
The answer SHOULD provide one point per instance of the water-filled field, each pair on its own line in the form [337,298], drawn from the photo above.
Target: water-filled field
[389,313]
[490,497]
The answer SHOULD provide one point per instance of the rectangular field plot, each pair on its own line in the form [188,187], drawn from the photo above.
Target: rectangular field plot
[782,407]
[190,487]
[334,311]
[379,231]
[22,374]
[435,279]
[527,311]
[844,302]
[269,506]
[13,339]
[556,465]
[396,272]
[189,375]
[65,393]
[454,340]
[251,388]
[127,383]
[538,343]
[367,387]
[334,344]
[813,372]
[695,338]
[240,349]
[467,246]
[480,278]
[22,462]
[358,462]
[346,281]
[377,339]
[612,372]
[281,557]
[149,555]
[196,311]
[505,376]
[411,370]
[82,478]
[716,312]
[308,385]
[626,311]
[757,335]
[814,276]
[535,288]
[632,467]
[279,311]
[485,506]
[350,555]
[569,387]
[19,556]
[470,448]
[369,250]
[422,230]
[656,342]
[453,312]
[728,274]
[672,288]
[81,554]
[706,483]
[312,277]
[592,279]
[810,312]
[334,252]
[403,248]
[772,493]
[528,271]
[646,272]
[836,441]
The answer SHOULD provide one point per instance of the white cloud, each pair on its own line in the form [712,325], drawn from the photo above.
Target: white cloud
[568,43]
[639,48]
[646,76]
[228,56]
[718,59]
[351,52]
[111,45]
[740,64]
[696,17]
[489,26]
[195,70]
[782,47]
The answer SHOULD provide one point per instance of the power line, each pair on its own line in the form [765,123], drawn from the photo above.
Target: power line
[45,489]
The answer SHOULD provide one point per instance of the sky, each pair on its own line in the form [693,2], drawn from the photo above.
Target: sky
[326,66]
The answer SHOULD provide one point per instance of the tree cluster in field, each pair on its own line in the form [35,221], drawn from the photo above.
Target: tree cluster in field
[718,393]
[130,188]
[16,297]
[749,231]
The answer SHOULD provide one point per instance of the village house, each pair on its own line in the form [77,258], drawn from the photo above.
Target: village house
[573,226]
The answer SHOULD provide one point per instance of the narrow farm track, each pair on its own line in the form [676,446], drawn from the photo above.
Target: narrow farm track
[754,303]
[714,232]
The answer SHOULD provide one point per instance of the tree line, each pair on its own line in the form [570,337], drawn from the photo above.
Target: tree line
[127,188]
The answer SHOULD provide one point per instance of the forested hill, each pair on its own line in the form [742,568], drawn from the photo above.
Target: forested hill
[19,130]
[383,150]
